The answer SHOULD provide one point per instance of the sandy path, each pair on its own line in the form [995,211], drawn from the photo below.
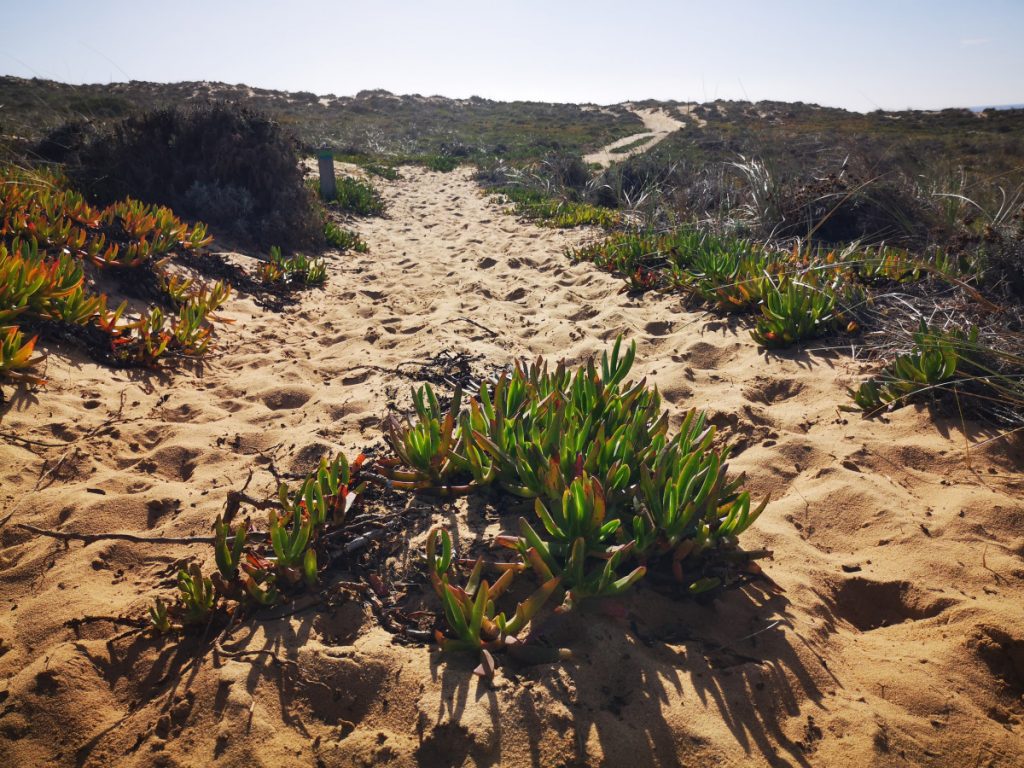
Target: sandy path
[899,639]
[658,123]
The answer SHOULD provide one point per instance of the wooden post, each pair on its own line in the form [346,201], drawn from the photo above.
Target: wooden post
[328,190]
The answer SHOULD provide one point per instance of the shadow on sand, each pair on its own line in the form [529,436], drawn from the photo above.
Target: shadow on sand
[648,684]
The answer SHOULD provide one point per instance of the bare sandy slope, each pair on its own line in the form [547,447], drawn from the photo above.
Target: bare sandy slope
[899,639]
[658,124]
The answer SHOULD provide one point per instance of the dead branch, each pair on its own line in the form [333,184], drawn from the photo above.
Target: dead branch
[91,538]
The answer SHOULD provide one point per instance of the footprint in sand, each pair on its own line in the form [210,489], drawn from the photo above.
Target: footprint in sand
[659,327]
[286,398]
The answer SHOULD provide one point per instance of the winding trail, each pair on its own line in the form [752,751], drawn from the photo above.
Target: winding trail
[659,125]
[901,561]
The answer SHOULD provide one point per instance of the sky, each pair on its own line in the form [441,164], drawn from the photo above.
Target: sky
[865,55]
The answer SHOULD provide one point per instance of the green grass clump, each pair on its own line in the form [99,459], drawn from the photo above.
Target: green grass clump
[553,212]
[344,239]
[388,172]
[614,494]
[358,197]
[440,163]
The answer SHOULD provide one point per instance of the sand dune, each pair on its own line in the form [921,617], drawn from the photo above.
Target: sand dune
[898,639]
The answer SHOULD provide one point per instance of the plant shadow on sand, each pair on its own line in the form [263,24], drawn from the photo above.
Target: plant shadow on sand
[644,674]
[157,674]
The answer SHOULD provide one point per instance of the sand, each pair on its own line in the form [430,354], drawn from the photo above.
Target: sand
[658,125]
[898,638]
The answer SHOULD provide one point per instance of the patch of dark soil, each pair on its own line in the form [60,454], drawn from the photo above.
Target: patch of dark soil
[447,369]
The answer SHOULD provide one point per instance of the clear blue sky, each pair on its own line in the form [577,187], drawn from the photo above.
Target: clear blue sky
[863,55]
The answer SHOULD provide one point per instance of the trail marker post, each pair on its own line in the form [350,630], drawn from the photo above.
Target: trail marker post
[325,159]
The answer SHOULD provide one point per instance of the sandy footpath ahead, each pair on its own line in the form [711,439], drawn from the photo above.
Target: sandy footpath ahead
[658,124]
[899,639]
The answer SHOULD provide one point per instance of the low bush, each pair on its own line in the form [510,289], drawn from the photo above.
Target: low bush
[231,167]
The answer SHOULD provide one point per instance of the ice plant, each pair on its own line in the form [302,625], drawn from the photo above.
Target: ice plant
[470,611]
[16,356]
[614,494]
[196,595]
[794,311]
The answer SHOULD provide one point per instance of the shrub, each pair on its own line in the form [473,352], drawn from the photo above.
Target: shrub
[628,183]
[1003,263]
[567,172]
[228,166]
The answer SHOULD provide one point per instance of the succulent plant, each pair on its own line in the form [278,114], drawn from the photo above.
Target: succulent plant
[158,618]
[334,483]
[298,268]
[258,578]
[196,595]
[269,273]
[794,311]
[470,610]
[290,536]
[344,239]
[423,450]
[228,557]
[613,495]
[933,361]
[16,356]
